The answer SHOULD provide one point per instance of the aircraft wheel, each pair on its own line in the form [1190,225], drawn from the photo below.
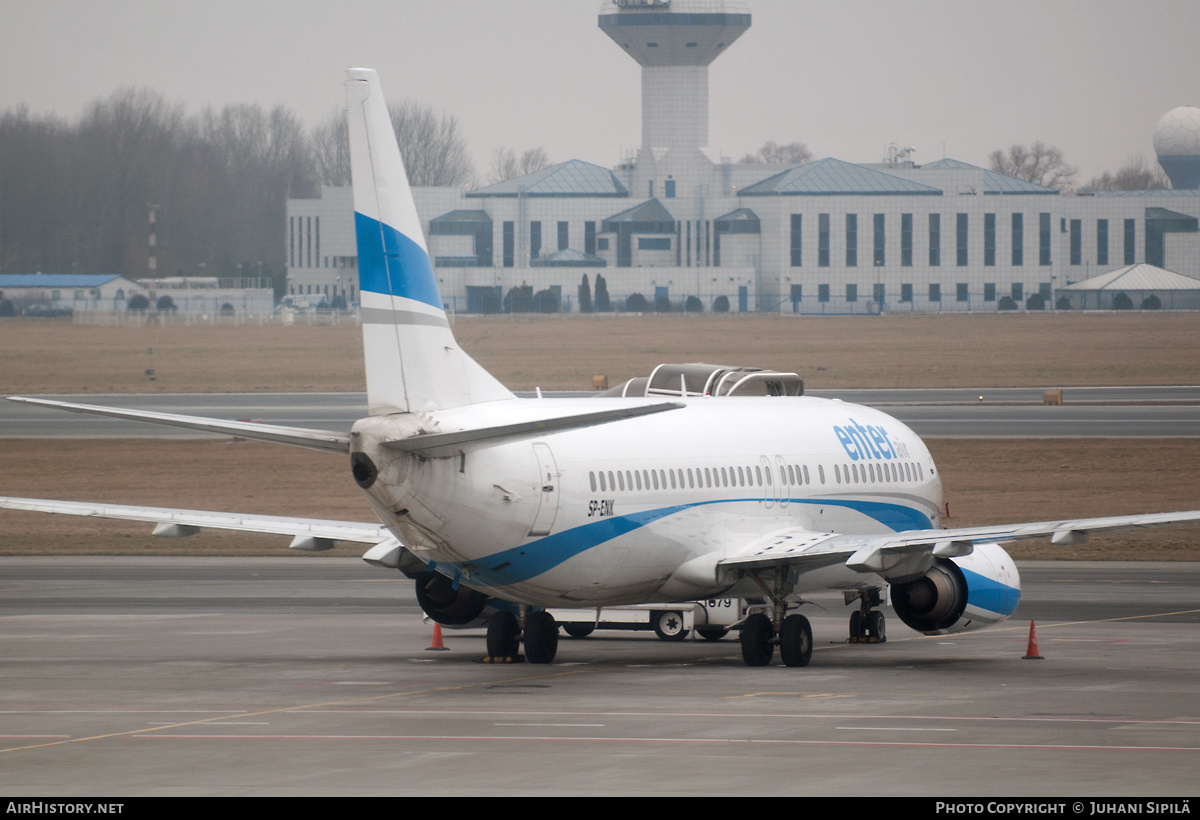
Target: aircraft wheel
[503,635]
[875,626]
[858,627]
[757,632]
[541,637]
[795,641]
[668,626]
[712,633]
[579,630]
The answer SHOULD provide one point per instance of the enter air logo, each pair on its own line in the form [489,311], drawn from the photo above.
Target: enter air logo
[867,442]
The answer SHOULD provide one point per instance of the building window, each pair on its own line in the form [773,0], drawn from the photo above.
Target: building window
[961,243]
[880,294]
[1044,291]
[851,240]
[822,293]
[989,292]
[535,240]
[935,240]
[507,244]
[589,238]
[989,240]
[670,188]
[1018,292]
[1101,241]
[1076,241]
[906,293]
[796,240]
[1043,239]
[823,240]
[960,292]
[563,236]
[1018,240]
[879,239]
[906,229]
[851,293]
[1130,235]
[654,243]
[935,292]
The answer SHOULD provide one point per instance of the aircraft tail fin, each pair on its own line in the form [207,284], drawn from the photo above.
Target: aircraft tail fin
[412,359]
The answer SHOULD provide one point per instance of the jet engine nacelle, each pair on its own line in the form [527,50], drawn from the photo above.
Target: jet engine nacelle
[958,594]
[447,605]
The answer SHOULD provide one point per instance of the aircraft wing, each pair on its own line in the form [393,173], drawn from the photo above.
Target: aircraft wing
[807,550]
[296,436]
[311,534]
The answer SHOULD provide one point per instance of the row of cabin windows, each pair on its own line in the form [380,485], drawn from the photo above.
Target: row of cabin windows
[793,475]
[885,472]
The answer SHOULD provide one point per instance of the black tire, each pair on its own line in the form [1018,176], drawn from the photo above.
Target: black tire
[876,626]
[757,632]
[795,641]
[503,636]
[541,637]
[579,630]
[712,633]
[858,626]
[668,626]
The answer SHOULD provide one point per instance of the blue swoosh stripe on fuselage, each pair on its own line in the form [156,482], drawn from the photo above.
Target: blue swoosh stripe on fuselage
[513,566]
[392,264]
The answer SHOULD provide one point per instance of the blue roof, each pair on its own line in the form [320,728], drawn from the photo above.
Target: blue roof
[56,280]
[833,177]
[571,178]
[994,182]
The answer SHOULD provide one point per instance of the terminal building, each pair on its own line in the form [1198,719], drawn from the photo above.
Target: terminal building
[686,228]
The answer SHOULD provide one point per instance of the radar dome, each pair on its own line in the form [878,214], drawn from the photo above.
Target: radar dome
[1178,133]
[1177,143]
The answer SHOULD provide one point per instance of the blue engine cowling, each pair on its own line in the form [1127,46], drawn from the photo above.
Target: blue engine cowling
[958,594]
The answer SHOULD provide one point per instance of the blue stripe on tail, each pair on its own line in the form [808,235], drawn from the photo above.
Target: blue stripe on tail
[383,249]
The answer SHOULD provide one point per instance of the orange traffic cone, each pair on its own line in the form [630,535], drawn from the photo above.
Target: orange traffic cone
[1031,654]
[437,645]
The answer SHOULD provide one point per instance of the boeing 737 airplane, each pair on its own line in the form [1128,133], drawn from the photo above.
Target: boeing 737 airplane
[501,507]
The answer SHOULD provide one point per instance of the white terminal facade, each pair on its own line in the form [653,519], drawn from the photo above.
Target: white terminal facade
[827,236]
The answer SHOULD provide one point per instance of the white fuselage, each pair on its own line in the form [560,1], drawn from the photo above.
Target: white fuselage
[641,510]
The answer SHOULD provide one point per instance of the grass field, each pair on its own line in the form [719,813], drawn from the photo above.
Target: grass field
[560,352]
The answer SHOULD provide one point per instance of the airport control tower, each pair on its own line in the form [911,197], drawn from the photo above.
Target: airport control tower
[674,41]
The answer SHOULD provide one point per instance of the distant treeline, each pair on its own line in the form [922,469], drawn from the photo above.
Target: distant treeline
[77,197]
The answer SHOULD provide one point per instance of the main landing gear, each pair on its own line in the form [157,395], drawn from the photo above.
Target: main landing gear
[761,632]
[504,637]
[867,625]
[795,640]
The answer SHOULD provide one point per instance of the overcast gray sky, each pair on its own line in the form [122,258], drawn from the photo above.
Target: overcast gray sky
[952,78]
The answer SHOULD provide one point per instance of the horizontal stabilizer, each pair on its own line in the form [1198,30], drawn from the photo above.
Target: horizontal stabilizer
[172,522]
[438,445]
[296,436]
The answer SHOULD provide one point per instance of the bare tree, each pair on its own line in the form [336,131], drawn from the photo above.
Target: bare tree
[434,150]
[1038,163]
[330,144]
[1134,175]
[794,153]
[507,165]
